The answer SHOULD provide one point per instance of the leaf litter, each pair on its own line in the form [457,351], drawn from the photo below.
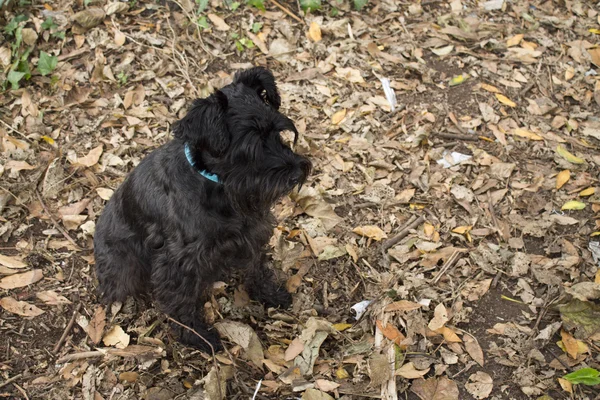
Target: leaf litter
[446,245]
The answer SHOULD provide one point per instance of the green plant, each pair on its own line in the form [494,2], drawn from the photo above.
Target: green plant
[46,63]
[122,77]
[256,27]
[244,43]
[202,22]
[310,5]
[260,4]
[359,4]
[585,376]
[202,5]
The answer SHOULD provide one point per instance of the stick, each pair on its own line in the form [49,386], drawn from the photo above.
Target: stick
[60,228]
[212,350]
[10,380]
[80,356]
[447,265]
[454,136]
[15,131]
[411,224]
[67,330]
[288,12]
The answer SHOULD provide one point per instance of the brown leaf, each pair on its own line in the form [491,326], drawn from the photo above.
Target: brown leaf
[219,22]
[435,389]
[480,385]
[12,262]
[440,317]
[90,17]
[20,307]
[391,332]
[52,298]
[117,337]
[20,280]
[570,344]
[595,54]
[95,329]
[474,350]
[562,178]
[408,371]
[402,305]
[244,336]
[90,159]
[314,32]
[295,348]
[370,231]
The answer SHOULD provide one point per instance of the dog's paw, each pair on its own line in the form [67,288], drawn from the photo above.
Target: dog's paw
[209,337]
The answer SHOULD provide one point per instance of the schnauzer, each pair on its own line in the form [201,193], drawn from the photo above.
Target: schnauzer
[199,206]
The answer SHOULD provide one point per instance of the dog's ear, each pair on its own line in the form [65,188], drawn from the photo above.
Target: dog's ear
[203,127]
[261,80]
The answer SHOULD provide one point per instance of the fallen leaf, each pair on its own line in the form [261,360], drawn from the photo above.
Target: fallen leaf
[379,369]
[474,350]
[370,231]
[564,153]
[244,336]
[20,280]
[514,40]
[119,38]
[562,178]
[408,371]
[570,344]
[219,22]
[573,205]
[440,317]
[350,74]
[505,100]
[90,17]
[443,51]
[314,32]
[325,385]
[449,335]
[587,192]
[314,394]
[526,134]
[440,388]
[402,305]
[565,385]
[12,262]
[95,328]
[595,54]
[458,80]
[480,385]
[341,327]
[116,337]
[21,308]
[89,160]
[105,193]
[338,117]
[52,298]
[129,376]
[490,88]
[312,204]
[391,332]
[294,349]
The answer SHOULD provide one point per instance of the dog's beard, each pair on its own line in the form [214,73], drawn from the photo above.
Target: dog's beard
[258,191]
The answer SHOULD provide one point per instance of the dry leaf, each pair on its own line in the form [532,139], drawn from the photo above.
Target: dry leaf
[449,335]
[474,350]
[587,192]
[325,385]
[20,280]
[12,262]
[440,317]
[480,385]
[564,153]
[312,204]
[244,336]
[526,134]
[440,388]
[314,32]
[350,74]
[21,308]
[52,298]
[505,100]
[104,193]
[95,328]
[570,343]
[408,371]
[573,205]
[402,305]
[116,337]
[370,231]
[515,40]
[562,178]
[391,332]
[595,54]
[119,38]
[338,117]
[219,22]
[90,159]
[490,88]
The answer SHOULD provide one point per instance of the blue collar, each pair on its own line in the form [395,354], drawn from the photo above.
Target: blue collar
[204,173]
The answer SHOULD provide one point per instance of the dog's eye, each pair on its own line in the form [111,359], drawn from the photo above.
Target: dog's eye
[263,96]
[287,137]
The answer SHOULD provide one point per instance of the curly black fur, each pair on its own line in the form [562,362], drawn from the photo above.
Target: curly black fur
[170,232]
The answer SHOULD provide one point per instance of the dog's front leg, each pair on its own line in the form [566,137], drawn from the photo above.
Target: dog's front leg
[263,287]
[181,293]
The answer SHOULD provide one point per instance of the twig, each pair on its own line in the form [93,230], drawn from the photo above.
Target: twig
[10,380]
[15,131]
[20,389]
[67,330]
[389,115]
[212,350]
[80,356]
[56,225]
[447,265]
[288,12]
[411,224]
[455,122]
[454,136]
[526,89]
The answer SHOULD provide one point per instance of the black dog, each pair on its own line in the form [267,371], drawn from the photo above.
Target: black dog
[199,207]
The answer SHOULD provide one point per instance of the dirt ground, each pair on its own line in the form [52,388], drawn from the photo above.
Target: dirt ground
[462,223]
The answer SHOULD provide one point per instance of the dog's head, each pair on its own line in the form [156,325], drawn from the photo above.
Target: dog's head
[236,133]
